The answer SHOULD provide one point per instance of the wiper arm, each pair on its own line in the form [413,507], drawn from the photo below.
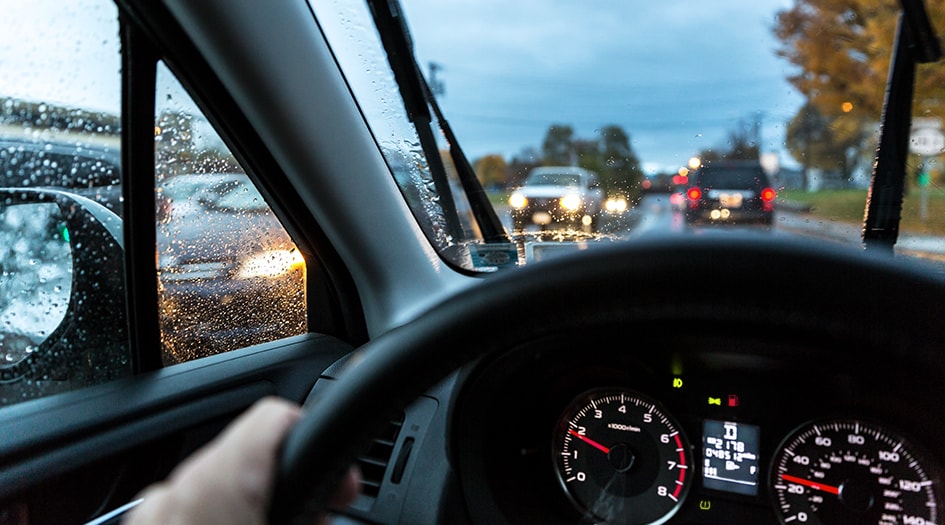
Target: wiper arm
[915,43]
[489,223]
[392,28]
[418,98]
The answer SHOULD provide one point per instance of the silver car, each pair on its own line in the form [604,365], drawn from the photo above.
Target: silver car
[558,195]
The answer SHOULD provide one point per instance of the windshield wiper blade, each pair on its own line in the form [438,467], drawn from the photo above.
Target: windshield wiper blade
[489,223]
[392,29]
[418,99]
[915,43]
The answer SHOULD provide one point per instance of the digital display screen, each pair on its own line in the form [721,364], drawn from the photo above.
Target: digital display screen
[730,457]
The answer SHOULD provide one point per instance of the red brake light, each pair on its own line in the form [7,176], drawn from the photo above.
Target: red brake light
[694,194]
[768,194]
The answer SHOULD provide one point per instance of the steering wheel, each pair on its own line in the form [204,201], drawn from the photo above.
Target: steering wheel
[784,286]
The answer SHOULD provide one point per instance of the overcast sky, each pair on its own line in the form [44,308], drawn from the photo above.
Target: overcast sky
[677,76]
[61,52]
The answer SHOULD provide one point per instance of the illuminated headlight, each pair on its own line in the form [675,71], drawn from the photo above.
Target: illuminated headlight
[518,201]
[274,263]
[616,205]
[570,202]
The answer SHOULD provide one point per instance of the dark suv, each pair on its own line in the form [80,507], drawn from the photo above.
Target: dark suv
[730,192]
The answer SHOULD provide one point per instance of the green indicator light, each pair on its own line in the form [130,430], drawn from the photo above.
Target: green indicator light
[676,367]
[65,234]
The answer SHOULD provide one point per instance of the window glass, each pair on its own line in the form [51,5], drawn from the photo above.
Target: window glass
[60,196]
[443,213]
[229,274]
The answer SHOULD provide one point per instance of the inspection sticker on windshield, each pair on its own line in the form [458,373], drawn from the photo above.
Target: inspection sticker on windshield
[493,255]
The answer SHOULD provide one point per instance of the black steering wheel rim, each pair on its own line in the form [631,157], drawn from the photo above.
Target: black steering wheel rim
[780,284]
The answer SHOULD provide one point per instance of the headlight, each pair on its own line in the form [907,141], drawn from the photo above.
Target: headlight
[518,201]
[570,202]
[273,263]
[616,205]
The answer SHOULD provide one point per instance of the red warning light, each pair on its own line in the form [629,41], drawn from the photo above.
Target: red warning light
[733,400]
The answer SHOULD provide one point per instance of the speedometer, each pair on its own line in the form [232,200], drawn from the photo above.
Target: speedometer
[846,471]
[622,458]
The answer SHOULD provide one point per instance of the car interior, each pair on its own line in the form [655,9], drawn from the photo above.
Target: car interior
[722,376]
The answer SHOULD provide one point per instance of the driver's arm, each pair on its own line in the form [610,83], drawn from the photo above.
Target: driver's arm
[229,480]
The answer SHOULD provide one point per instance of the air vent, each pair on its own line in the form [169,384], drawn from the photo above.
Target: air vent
[374,463]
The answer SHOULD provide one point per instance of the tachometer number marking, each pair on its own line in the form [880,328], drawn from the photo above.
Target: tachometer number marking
[635,462]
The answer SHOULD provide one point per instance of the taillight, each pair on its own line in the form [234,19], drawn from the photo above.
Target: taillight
[694,194]
[768,194]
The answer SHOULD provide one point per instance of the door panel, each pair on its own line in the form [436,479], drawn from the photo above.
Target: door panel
[70,457]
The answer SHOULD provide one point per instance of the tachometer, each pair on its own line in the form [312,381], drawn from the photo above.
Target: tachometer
[849,471]
[621,457]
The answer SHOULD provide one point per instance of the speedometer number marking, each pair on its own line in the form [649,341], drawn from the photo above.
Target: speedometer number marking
[850,471]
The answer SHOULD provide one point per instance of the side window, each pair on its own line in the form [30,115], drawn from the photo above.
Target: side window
[229,275]
[60,196]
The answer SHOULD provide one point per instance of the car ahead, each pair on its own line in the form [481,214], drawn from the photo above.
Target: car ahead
[558,196]
[730,192]
[646,376]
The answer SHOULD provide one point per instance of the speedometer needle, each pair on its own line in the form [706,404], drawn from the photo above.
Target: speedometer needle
[811,484]
[589,441]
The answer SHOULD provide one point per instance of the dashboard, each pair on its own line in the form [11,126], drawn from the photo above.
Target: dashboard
[751,393]
[690,427]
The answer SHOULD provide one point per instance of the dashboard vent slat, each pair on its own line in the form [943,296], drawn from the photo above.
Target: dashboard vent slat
[374,463]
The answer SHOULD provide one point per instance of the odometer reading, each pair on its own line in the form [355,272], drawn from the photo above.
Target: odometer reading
[730,456]
[853,472]
[621,458]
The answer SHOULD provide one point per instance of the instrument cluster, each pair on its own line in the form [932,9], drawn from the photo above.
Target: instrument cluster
[699,430]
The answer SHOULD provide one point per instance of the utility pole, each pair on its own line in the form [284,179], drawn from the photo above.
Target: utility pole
[436,85]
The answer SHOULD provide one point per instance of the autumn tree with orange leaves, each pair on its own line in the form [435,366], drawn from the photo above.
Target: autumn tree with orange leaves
[842,49]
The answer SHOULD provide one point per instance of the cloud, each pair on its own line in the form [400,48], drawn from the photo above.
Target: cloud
[676,75]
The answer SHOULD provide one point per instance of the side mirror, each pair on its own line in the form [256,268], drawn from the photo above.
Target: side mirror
[63,321]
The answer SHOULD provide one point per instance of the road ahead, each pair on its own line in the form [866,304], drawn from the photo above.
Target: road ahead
[655,216]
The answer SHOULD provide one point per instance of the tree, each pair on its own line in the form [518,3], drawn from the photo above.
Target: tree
[743,142]
[491,170]
[609,155]
[842,49]
[819,141]
[588,154]
[621,172]
[558,147]
[521,164]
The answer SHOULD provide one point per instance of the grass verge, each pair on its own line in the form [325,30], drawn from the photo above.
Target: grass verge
[849,206]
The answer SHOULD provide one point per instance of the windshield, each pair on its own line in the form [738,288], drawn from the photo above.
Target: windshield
[552,179]
[655,99]
[730,177]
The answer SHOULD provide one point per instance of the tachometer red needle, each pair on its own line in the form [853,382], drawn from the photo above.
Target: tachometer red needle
[812,484]
[589,441]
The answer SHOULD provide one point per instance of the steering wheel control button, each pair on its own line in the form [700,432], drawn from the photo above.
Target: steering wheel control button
[621,458]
